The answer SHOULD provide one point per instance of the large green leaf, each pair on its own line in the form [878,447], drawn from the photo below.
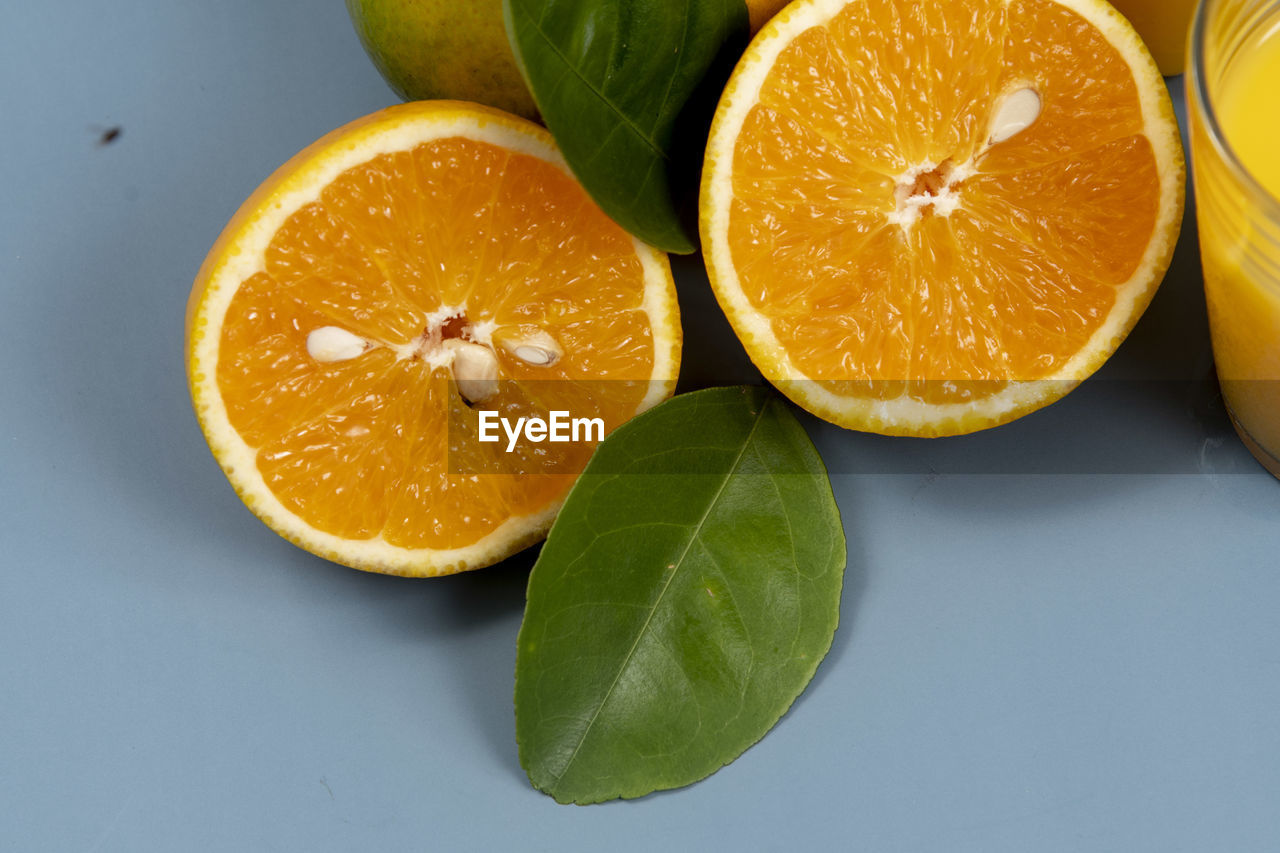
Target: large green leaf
[618,84]
[684,598]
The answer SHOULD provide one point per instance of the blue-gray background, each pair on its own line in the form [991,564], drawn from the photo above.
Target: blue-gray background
[1058,635]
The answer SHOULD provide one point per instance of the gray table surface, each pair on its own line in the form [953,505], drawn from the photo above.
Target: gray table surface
[1058,635]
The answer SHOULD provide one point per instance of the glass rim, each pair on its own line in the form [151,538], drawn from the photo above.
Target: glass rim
[1200,91]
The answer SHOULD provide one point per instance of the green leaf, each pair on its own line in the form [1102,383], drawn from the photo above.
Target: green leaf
[683,600]
[619,84]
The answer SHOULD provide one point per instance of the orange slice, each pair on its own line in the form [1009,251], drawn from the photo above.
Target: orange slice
[928,218]
[381,289]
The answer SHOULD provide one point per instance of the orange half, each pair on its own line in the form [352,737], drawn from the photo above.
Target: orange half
[928,218]
[383,287]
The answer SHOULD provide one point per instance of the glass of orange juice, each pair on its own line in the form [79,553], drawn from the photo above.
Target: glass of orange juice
[1233,95]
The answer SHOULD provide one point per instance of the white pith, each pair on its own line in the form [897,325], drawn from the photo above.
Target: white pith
[911,206]
[1018,110]
[905,414]
[302,187]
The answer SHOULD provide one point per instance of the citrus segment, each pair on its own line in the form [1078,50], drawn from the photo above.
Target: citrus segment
[1088,72]
[930,218]
[430,252]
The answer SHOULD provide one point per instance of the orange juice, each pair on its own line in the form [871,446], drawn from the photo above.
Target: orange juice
[1234,95]
[1249,109]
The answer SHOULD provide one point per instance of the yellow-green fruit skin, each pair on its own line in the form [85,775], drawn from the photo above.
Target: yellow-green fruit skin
[451,49]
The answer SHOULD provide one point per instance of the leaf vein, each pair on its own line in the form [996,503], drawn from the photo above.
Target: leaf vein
[591,87]
[679,563]
[675,72]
